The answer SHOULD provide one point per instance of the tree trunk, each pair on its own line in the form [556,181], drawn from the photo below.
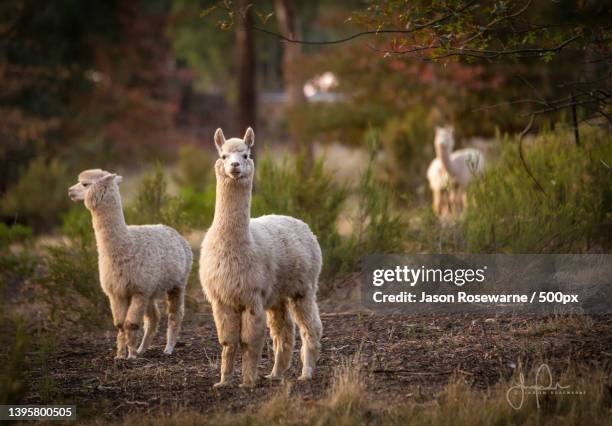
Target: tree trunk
[245,70]
[288,23]
[292,52]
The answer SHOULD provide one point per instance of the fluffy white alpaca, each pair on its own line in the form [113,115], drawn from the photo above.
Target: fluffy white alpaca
[253,268]
[138,264]
[451,171]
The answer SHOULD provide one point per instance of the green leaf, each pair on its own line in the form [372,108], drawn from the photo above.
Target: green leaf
[207,11]
[264,18]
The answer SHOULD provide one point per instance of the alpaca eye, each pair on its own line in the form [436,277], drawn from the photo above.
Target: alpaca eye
[85,185]
[224,157]
[246,156]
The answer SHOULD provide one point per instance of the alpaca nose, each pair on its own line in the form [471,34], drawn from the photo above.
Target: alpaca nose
[235,165]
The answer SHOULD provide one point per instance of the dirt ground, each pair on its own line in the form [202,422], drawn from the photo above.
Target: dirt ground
[404,357]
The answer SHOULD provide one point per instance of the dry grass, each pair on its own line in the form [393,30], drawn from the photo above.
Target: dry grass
[349,403]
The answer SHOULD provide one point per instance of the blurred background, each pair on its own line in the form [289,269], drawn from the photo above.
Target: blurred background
[344,115]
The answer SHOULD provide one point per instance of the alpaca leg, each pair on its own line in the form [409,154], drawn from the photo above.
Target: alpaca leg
[252,339]
[282,331]
[306,314]
[176,311]
[436,202]
[227,321]
[119,307]
[151,324]
[133,319]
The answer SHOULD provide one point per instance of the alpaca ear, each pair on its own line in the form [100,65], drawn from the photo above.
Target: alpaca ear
[249,137]
[118,179]
[219,139]
[109,178]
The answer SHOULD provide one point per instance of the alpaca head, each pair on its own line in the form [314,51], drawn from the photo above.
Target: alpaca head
[445,137]
[235,156]
[95,186]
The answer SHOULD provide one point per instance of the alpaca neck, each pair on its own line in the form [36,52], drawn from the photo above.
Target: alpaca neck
[444,155]
[233,211]
[110,228]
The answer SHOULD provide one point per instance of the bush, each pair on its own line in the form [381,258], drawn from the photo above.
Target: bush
[196,180]
[376,227]
[17,264]
[195,168]
[40,196]
[408,144]
[13,383]
[153,204]
[71,284]
[508,213]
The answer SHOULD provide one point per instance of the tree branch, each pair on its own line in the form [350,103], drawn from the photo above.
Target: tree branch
[416,28]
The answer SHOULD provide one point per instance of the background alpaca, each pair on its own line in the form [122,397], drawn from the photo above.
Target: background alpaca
[451,172]
[138,264]
[250,268]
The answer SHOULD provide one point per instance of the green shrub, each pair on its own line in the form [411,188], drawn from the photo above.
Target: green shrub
[408,143]
[40,196]
[71,284]
[196,180]
[13,384]
[198,206]
[195,168]
[154,205]
[508,213]
[377,226]
[17,264]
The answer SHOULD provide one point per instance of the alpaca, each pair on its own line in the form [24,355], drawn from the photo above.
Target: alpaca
[138,265]
[251,269]
[452,171]
[440,186]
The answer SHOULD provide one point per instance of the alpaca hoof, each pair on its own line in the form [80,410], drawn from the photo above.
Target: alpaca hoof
[140,351]
[306,374]
[119,357]
[220,384]
[132,357]
[274,377]
[168,351]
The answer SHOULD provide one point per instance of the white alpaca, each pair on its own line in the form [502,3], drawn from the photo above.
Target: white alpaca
[138,264]
[253,268]
[450,172]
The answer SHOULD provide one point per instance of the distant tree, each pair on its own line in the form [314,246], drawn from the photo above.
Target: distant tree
[574,36]
[84,80]
[245,68]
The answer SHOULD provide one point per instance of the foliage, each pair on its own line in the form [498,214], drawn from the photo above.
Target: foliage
[197,186]
[14,338]
[508,213]
[193,170]
[153,204]
[17,264]
[377,227]
[210,60]
[40,195]
[82,81]
[408,144]
[71,286]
